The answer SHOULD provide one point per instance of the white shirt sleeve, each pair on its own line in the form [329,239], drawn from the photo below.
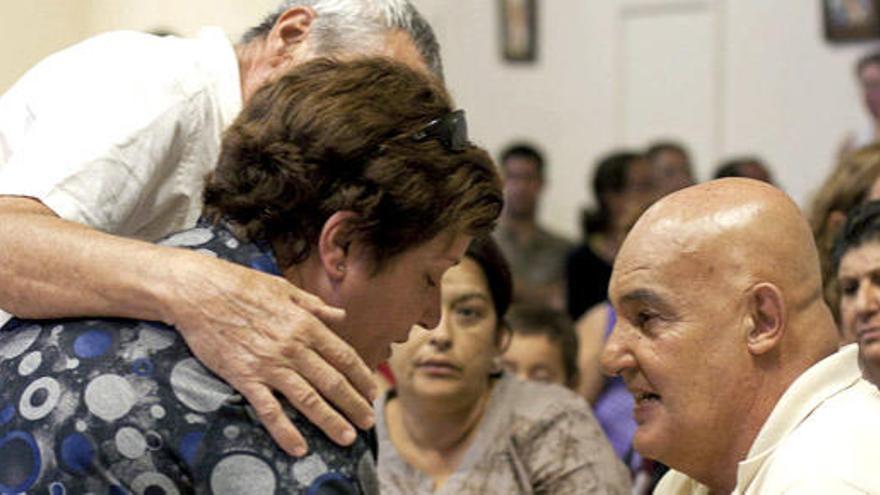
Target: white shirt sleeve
[93,130]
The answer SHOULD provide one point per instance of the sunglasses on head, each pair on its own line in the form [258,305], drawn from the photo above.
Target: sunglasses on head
[450,130]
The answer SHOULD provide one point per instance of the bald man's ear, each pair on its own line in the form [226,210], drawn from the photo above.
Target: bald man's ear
[334,244]
[768,318]
[290,30]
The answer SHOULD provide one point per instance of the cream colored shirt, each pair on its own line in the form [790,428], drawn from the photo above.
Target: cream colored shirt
[119,131]
[823,437]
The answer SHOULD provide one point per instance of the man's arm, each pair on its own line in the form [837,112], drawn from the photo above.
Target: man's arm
[256,331]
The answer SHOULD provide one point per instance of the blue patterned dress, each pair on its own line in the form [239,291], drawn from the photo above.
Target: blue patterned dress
[113,406]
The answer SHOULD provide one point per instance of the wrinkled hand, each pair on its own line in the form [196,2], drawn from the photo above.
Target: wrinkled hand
[262,334]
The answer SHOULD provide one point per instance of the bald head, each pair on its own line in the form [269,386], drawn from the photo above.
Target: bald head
[742,230]
[718,295]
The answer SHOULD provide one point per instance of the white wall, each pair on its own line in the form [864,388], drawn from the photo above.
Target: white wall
[791,96]
[783,92]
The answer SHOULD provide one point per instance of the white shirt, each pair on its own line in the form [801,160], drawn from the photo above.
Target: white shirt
[823,437]
[119,131]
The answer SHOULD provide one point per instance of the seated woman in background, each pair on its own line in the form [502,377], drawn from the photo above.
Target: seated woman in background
[543,346]
[355,181]
[855,180]
[456,424]
[623,185]
[857,263]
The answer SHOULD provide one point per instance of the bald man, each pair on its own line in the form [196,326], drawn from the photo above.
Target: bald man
[731,354]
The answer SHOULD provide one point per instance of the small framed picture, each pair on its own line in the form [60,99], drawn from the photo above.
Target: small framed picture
[851,20]
[519,37]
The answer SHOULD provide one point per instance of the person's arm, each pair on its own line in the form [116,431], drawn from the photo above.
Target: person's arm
[257,331]
[591,340]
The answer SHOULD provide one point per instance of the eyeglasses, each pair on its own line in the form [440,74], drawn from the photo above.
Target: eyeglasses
[450,130]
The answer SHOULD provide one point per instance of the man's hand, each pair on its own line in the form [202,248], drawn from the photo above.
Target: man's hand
[258,332]
[263,335]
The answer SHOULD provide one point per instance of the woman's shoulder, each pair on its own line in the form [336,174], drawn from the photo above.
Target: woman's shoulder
[557,441]
[541,402]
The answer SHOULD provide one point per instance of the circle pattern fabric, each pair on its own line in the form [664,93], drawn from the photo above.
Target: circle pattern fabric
[122,406]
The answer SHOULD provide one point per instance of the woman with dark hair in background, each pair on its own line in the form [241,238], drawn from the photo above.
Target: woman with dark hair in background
[855,180]
[457,424]
[856,263]
[623,185]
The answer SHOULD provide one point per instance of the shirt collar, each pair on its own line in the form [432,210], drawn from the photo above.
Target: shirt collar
[810,390]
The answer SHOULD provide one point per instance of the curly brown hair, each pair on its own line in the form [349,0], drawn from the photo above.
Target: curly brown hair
[336,135]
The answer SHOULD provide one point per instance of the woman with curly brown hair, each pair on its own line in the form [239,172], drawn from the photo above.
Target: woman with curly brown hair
[355,181]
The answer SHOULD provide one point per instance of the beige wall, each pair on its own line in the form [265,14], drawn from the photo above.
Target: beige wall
[32,29]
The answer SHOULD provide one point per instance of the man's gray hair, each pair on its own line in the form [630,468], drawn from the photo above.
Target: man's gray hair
[359,26]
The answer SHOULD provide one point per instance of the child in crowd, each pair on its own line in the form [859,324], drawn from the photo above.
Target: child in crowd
[543,346]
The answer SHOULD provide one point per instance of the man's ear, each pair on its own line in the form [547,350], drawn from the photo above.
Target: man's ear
[290,30]
[334,243]
[767,309]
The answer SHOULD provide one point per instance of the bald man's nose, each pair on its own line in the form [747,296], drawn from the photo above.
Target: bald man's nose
[616,357]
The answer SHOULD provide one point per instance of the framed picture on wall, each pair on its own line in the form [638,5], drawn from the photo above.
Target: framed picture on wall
[851,20]
[519,37]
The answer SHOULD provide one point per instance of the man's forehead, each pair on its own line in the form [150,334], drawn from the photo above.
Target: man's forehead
[521,162]
[657,257]
[633,268]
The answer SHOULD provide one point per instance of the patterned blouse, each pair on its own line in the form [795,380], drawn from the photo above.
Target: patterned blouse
[533,438]
[116,406]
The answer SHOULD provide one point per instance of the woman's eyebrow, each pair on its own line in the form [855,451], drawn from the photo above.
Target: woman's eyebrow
[470,295]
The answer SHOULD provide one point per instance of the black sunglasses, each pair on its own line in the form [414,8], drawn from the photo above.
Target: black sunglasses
[450,130]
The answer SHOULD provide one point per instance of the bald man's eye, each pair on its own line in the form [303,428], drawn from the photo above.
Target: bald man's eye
[849,287]
[645,318]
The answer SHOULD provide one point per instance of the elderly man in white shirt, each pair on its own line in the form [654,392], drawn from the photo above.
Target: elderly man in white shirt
[106,144]
[731,353]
